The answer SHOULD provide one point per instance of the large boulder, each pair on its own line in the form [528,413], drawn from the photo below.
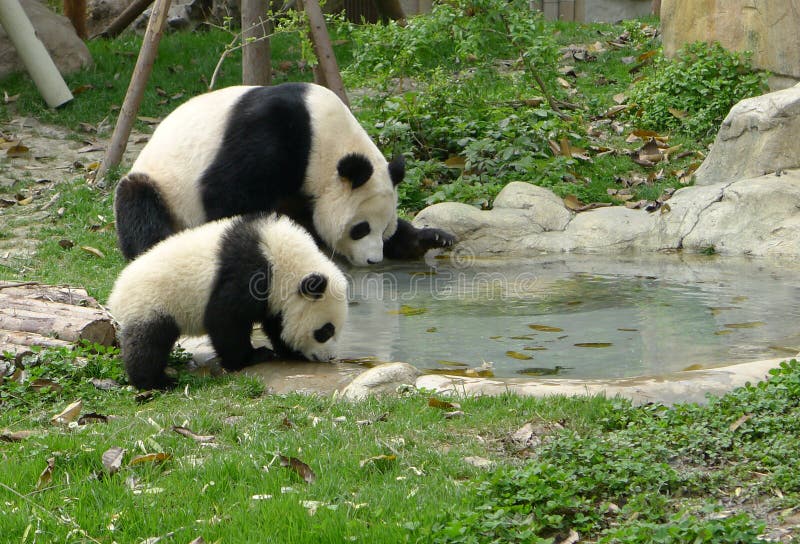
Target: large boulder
[765,27]
[759,136]
[68,51]
[750,216]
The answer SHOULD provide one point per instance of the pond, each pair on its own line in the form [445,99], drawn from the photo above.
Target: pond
[574,316]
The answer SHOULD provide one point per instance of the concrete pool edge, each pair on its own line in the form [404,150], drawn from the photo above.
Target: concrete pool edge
[683,386]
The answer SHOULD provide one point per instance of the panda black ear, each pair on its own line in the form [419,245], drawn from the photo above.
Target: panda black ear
[397,169]
[313,286]
[355,168]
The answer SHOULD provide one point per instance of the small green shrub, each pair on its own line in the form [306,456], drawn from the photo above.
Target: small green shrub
[693,93]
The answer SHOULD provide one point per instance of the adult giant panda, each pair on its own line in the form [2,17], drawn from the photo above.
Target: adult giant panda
[221,278]
[293,148]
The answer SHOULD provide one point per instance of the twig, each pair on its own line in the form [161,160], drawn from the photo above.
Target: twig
[535,73]
[20,284]
[49,513]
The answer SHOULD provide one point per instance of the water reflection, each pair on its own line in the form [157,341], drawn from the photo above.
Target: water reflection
[649,314]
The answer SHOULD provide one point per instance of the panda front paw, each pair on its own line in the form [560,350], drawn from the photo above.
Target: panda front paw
[430,238]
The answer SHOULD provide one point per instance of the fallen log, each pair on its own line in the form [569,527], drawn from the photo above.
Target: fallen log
[50,316]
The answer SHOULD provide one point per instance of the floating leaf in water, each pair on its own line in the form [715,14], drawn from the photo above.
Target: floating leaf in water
[405,309]
[746,325]
[522,337]
[450,363]
[739,298]
[431,329]
[623,329]
[723,332]
[784,349]
[716,310]
[594,344]
[535,348]
[695,366]
[495,337]
[480,372]
[543,370]
[302,469]
[518,355]
[545,328]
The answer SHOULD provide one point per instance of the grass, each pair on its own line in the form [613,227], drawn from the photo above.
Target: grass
[601,467]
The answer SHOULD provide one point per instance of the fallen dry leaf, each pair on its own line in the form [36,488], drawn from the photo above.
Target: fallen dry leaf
[433,402]
[15,436]
[150,458]
[94,251]
[92,417]
[380,462]
[112,459]
[739,422]
[69,414]
[203,439]
[17,150]
[299,467]
[47,474]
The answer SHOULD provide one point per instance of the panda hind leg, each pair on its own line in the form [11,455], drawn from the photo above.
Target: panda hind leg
[142,217]
[145,350]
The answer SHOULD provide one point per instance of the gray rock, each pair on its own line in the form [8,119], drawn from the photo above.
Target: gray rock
[758,136]
[380,380]
[751,216]
[756,216]
[67,50]
[541,205]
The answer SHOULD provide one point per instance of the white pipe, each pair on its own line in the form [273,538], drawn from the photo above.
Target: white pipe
[34,56]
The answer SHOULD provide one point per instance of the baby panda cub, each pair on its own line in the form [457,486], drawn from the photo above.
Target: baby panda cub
[220,279]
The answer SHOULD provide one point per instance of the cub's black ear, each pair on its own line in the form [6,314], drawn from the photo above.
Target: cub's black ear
[355,168]
[397,169]
[313,286]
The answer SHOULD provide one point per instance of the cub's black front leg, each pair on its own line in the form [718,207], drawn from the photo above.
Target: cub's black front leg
[411,243]
[231,341]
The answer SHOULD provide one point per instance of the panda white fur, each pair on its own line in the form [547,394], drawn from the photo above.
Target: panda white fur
[221,278]
[293,148]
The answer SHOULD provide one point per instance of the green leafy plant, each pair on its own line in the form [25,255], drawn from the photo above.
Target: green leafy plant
[693,93]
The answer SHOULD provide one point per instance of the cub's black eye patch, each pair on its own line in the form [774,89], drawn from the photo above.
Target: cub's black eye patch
[359,230]
[324,333]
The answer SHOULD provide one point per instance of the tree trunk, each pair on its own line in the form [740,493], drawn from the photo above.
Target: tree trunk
[256,61]
[124,19]
[327,73]
[657,8]
[75,11]
[390,10]
[133,97]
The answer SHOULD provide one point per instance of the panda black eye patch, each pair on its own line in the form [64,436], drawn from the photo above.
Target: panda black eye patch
[359,230]
[324,333]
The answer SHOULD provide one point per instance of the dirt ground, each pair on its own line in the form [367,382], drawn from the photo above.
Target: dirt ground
[34,159]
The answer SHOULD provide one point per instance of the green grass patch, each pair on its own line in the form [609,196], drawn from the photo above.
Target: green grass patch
[600,467]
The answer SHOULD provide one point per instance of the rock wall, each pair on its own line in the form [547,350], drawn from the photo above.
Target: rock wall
[56,32]
[758,136]
[768,28]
